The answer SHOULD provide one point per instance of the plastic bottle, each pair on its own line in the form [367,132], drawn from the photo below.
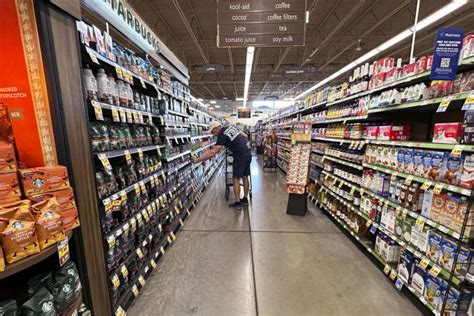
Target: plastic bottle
[90,84]
[102,86]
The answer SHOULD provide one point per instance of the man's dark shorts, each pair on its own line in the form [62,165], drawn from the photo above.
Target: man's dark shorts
[241,166]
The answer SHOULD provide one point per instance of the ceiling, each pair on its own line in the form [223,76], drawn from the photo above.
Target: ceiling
[189,29]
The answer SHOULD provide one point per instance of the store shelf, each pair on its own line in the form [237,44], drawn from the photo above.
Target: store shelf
[179,167]
[122,152]
[337,140]
[446,186]
[23,264]
[342,119]
[183,136]
[347,183]
[414,144]
[199,124]
[203,148]
[284,148]
[177,113]
[412,214]
[457,96]
[177,156]
[345,202]
[318,152]
[202,136]
[284,137]
[175,125]
[282,158]
[123,109]
[343,162]
[316,164]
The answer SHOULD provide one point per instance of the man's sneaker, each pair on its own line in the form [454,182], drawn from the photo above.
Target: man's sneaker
[244,201]
[236,205]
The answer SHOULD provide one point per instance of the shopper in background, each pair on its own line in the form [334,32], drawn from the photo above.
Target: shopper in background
[236,142]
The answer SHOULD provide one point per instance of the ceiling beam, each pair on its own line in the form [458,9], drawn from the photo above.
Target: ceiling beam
[292,88]
[196,93]
[335,29]
[208,90]
[222,90]
[231,60]
[190,31]
[235,89]
[281,59]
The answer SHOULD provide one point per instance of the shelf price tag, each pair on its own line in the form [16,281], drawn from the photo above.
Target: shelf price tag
[387,269]
[176,209]
[399,284]
[98,111]
[93,56]
[143,83]
[141,280]
[115,115]
[435,270]
[457,150]
[142,187]
[137,189]
[128,157]
[408,180]
[118,71]
[115,281]
[173,236]
[426,185]
[469,102]
[124,271]
[444,104]
[123,116]
[120,311]
[129,117]
[139,253]
[181,222]
[111,241]
[135,290]
[393,274]
[420,221]
[394,176]
[340,184]
[438,188]
[162,250]
[105,162]
[169,239]
[424,262]
[153,263]
[63,251]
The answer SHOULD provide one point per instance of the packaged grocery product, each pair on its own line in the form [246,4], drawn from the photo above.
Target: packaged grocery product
[371,132]
[467,174]
[423,240]
[467,46]
[49,226]
[407,166]
[19,236]
[416,230]
[468,134]
[44,179]
[103,93]
[438,206]
[462,209]
[9,187]
[434,246]
[463,262]
[434,290]
[457,302]
[448,250]
[9,308]
[427,203]
[453,169]
[418,162]
[418,279]
[451,208]
[7,158]
[437,168]
[467,81]
[41,303]
[90,84]
[387,220]
[64,197]
[400,159]
[447,133]
[406,266]
[399,226]
[406,229]
[70,218]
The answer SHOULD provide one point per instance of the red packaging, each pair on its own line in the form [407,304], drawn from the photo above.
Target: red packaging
[409,70]
[70,218]
[429,62]
[394,132]
[421,64]
[7,158]
[371,132]
[447,133]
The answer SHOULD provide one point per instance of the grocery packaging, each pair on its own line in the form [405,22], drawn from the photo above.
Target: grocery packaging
[49,225]
[44,179]
[447,133]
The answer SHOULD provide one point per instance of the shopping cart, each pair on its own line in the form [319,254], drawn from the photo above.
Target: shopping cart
[229,159]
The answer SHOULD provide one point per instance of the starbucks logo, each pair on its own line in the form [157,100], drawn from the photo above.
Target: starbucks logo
[47,307]
[38,183]
[18,225]
[48,214]
[67,288]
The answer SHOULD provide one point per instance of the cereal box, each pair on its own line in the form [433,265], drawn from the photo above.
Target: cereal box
[434,290]
[437,207]
[453,169]
[448,251]
[418,162]
[434,246]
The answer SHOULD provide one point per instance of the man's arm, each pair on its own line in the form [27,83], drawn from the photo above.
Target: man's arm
[209,154]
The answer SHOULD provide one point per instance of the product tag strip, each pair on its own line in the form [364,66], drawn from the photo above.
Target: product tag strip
[444,104]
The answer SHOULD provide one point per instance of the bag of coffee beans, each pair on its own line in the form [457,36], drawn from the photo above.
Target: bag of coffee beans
[49,225]
[40,304]
[8,308]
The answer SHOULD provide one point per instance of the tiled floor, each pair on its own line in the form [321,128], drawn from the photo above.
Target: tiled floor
[262,261]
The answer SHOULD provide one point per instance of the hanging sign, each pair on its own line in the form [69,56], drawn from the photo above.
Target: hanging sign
[261,23]
[446,53]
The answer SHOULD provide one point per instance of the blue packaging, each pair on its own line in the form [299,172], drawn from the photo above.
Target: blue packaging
[435,289]
[406,266]
[418,279]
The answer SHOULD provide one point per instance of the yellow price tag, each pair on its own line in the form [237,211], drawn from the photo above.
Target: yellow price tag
[118,71]
[340,184]
[352,191]
[153,263]
[115,281]
[115,115]
[394,176]
[181,222]
[435,270]
[426,185]
[424,262]
[393,275]
[326,177]
[143,83]
[123,116]
[387,269]
[139,253]
[438,188]
[63,251]
[135,290]
[173,236]
[408,180]
[444,104]
[137,189]
[162,250]
[128,157]
[111,241]
[120,311]
[469,102]
[140,153]
[105,162]
[176,209]
[124,271]
[98,111]
[385,204]
[142,187]
[129,117]
[420,221]
[141,280]
[93,56]
[108,208]
[457,150]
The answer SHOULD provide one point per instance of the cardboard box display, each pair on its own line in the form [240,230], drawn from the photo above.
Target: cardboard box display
[7,158]
[44,179]
[9,186]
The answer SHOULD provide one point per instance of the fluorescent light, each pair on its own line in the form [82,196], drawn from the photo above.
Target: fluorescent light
[212,102]
[206,105]
[211,108]
[217,106]
[200,100]
[248,72]
[444,11]
[239,99]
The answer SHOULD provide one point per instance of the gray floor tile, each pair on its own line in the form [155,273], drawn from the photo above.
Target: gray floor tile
[318,274]
[203,273]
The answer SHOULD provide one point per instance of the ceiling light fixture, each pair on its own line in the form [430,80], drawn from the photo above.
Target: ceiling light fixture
[248,72]
[359,48]
[444,11]
[239,99]
[217,106]
[212,102]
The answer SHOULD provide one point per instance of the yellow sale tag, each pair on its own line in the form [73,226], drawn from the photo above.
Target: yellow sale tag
[137,189]
[162,250]
[115,115]
[435,270]
[139,253]
[176,209]
[386,269]
[444,103]
[169,239]
[181,222]
[111,241]
[394,176]
[393,274]
[327,176]
[118,71]
[420,221]
[135,290]
[340,184]
[424,262]
[128,157]
[63,251]
[426,185]
[385,204]
[98,111]
[438,188]
[115,281]
[140,154]
[352,191]
[129,117]
[408,180]
[124,271]
[141,280]
[93,57]
[120,311]
[153,263]
[123,116]
[142,187]
[457,150]
[173,235]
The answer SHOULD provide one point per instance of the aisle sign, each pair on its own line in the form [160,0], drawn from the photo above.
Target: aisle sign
[261,23]
[446,53]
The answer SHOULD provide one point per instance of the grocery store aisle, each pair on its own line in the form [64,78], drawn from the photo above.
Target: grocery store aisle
[225,263]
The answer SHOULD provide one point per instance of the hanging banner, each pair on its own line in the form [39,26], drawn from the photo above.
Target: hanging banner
[446,53]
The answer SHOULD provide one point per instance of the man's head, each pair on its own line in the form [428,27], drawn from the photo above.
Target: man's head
[215,128]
